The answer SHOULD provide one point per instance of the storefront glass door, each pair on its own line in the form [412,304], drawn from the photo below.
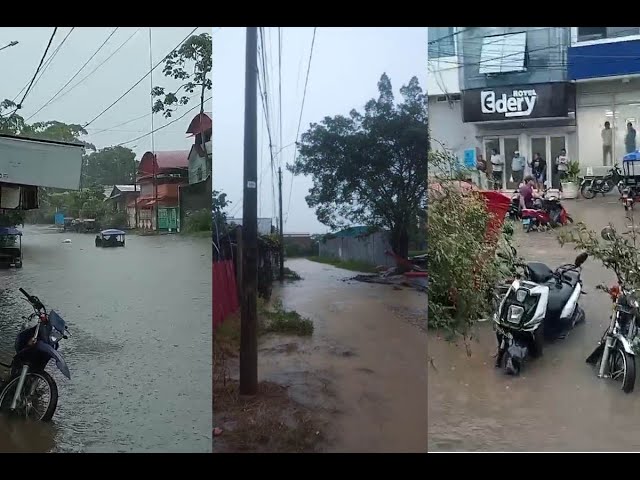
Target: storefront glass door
[491,144]
[539,146]
[511,145]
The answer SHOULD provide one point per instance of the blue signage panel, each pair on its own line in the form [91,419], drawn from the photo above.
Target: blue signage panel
[470,158]
[59,218]
[604,60]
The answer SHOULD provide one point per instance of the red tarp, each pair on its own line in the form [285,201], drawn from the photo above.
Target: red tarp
[225,292]
[498,205]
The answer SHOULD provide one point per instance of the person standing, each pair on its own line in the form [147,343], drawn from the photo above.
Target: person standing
[607,144]
[630,139]
[481,166]
[496,163]
[517,167]
[562,163]
[539,167]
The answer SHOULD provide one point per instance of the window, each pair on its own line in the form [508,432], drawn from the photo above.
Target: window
[597,33]
[453,97]
[442,42]
[503,53]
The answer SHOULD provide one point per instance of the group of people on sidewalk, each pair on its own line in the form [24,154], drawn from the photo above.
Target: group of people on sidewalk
[520,168]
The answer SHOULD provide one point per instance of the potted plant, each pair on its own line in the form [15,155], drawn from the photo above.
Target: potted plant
[572,180]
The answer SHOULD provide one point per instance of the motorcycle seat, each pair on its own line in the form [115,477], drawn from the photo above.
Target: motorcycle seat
[539,272]
[559,295]
[572,277]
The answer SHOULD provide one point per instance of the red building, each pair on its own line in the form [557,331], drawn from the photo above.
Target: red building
[160,177]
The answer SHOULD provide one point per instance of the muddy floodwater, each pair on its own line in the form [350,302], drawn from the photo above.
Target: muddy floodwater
[558,403]
[140,350]
[364,366]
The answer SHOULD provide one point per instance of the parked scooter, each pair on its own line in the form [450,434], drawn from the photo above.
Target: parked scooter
[591,186]
[542,304]
[547,212]
[514,208]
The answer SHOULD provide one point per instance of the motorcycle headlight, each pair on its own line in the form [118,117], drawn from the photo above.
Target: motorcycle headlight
[55,336]
[514,315]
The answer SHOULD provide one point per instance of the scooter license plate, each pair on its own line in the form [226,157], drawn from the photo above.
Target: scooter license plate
[526,221]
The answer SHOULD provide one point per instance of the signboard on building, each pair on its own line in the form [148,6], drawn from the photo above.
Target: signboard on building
[40,163]
[470,158]
[518,102]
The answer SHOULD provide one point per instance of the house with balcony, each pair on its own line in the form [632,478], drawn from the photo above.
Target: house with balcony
[160,176]
[196,195]
[604,63]
[504,89]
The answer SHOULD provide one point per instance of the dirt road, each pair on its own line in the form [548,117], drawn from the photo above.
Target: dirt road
[364,366]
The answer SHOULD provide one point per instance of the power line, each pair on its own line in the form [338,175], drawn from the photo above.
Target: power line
[304,96]
[139,81]
[46,64]
[38,69]
[114,127]
[77,73]
[100,65]
[163,126]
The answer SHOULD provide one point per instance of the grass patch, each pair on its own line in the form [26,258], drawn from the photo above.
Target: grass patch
[200,233]
[280,320]
[353,265]
[291,275]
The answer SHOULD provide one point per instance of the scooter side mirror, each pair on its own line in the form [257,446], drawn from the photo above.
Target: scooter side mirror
[580,259]
[607,233]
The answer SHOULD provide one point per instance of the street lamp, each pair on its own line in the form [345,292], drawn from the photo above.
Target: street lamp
[12,44]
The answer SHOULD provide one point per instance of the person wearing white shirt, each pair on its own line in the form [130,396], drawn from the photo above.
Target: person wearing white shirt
[497,164]
[562,163]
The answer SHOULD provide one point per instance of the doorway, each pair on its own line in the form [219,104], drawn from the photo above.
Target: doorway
[549,147]
[491,144]
[511,145]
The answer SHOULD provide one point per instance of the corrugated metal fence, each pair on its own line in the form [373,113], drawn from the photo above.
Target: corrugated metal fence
[367,248]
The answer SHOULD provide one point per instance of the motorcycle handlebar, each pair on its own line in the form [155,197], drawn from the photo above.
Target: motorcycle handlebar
[32,300]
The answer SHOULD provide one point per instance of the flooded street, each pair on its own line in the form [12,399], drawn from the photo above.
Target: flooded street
[558,403]
[365,364]
[140,350]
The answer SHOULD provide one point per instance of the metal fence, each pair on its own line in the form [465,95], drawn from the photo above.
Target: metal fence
[367,248]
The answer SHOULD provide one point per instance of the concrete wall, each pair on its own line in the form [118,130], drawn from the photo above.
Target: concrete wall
[369,249]
[447,130]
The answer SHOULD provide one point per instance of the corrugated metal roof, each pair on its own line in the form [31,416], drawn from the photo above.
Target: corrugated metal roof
[352,232]
[198,126]
[167,159]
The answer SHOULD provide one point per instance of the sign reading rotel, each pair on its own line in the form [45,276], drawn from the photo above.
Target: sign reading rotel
[41,163]
[543,100]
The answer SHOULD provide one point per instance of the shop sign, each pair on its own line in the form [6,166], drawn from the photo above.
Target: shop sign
[544,100]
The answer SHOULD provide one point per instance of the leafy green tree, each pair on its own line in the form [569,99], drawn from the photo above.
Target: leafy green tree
[109,166]
[191,64]
[371,167]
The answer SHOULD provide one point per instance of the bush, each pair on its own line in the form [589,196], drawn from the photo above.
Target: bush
[461,263]
[115,220]
[198,221]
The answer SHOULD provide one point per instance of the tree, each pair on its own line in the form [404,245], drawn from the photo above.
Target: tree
[370,167]
[109,166]
[177,65]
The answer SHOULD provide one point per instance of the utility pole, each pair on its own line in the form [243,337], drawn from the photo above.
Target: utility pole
[248,319]
[281,231]
[153,145]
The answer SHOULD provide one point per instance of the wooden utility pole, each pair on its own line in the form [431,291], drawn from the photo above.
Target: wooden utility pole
[249,321]
[281,227]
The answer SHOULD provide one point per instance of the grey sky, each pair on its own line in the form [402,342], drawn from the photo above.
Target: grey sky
[346,66]
[103,87]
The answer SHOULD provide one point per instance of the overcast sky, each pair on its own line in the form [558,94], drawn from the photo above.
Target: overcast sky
[100,89]
[346,66]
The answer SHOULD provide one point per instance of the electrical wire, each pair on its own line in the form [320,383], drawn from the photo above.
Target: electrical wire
[99,65]
[140,81]
[53,34]
[163,126]
[304,96]
[75,74]
[45,65]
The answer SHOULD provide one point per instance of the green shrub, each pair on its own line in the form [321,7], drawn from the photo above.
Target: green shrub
[198,221]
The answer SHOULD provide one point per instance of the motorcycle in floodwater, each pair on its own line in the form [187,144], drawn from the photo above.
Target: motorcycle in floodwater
[614,355]
[541,304]
[30,391]
[591,186]
[547,212]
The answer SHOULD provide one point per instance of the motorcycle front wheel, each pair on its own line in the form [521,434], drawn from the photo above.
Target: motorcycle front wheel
[38,399]
[622,367]
[587,192]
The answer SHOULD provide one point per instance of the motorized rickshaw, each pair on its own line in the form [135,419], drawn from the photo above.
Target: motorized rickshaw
[631,181]
[10,247]
[110,238]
